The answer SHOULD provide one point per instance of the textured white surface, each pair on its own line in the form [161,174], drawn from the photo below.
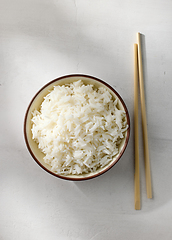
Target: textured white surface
[43,39]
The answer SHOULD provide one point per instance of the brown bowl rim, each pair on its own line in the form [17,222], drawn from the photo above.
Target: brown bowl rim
[70,178]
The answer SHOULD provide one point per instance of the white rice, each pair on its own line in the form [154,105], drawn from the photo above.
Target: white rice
[78,128]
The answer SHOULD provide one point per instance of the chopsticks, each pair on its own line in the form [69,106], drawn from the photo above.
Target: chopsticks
[136,132]
[138,71]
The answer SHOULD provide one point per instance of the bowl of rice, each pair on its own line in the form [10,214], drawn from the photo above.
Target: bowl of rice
[76,127]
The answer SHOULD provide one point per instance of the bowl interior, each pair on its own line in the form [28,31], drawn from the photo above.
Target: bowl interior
[35,104]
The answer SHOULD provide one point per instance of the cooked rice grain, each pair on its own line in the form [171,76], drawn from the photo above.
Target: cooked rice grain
[78,128]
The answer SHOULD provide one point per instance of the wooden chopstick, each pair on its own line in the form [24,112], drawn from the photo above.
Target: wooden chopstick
[136,132]
[144,121]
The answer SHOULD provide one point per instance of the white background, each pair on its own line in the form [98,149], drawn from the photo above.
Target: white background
[41,40]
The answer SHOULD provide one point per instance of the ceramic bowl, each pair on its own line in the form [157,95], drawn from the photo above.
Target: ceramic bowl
[35,104]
